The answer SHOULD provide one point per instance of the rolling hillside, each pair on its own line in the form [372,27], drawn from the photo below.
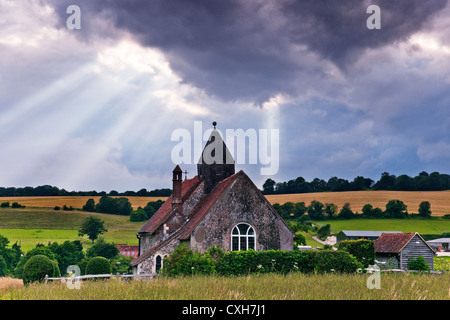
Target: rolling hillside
[440,200]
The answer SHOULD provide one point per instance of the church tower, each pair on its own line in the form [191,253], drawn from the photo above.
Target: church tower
[216,162]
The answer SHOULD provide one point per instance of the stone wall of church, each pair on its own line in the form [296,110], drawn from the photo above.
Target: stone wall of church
[242,203]
[148,266]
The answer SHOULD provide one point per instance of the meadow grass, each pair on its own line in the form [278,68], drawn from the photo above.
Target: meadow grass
[295,286]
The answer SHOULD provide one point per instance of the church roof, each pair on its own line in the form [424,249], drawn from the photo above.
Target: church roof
[165,210]
[204,205]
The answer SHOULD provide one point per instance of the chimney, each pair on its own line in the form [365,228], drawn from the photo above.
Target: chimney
[176,187]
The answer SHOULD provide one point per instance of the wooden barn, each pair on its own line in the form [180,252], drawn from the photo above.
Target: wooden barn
[394,250]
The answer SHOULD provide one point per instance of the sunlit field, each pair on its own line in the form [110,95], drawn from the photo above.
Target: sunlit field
[440,200]
[254,287]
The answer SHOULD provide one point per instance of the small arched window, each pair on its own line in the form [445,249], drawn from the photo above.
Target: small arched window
[242,237]
[158,264]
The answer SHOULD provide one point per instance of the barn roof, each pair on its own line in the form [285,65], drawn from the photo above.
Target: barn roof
[394,242]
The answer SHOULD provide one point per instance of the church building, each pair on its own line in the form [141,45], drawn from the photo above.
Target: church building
[216,207]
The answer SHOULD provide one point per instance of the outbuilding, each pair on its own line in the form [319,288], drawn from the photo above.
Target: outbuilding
[394,250]
[360,234]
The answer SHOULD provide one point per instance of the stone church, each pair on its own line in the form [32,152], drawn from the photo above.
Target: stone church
[216,207]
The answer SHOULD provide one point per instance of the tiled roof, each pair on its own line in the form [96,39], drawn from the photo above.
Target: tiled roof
[395,242]
[164,211]
[204,205]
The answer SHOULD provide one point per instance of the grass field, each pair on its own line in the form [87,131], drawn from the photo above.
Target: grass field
[31,226]
[253,287]
[39,223]
[440,200]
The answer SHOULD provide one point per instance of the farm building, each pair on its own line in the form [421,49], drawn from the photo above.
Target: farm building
[393,250]
[128,250]
[216,207]
[441,244]
[358,234]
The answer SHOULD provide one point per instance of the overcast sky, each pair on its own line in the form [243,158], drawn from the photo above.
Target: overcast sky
[94,109]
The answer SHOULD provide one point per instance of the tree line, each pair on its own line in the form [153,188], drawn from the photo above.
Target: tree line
[317,210]
[434,181]
[47,190]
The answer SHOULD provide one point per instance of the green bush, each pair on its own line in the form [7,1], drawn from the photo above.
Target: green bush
[5,204]
[183,261]
[418,264]
[363,250]
[36,268]
[335,261]
[98,265]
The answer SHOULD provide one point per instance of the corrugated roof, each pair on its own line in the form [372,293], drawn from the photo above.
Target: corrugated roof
[440,240]
[364,233]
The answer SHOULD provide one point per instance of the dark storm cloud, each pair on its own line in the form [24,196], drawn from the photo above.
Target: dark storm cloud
[251,50]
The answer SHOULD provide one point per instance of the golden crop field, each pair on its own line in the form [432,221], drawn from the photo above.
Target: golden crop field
[439,200]
[76,202]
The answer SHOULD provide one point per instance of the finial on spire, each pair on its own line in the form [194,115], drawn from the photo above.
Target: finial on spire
[214,124]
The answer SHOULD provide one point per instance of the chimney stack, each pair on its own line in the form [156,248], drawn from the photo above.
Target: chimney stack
[176,187]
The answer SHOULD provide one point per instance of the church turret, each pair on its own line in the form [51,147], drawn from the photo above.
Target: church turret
[176,187]
[216,162]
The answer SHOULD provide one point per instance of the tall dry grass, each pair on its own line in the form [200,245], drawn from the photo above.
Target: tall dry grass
[8,284]
[253,287]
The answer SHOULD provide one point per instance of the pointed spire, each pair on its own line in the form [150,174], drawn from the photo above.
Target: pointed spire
[216,162]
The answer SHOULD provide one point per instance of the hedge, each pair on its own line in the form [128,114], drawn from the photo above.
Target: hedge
[363,250]
[184,261]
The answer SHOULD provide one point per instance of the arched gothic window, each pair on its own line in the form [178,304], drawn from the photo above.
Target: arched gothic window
[158,263]
[242,237]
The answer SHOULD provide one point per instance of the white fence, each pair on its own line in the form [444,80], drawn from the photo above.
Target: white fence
[93,276]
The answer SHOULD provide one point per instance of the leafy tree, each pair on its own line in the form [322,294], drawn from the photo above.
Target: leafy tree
[367,210]
[424,209]
[405,183]
[386,182]
[346,212]
[315,210]
[396,209]
[68,253]
[299,209]
[103,249]
[299,240]
[92,227]
[3,267]
[330,209]
[89,206]
[121,206]
[269,186]
[323,232]
[138,215]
